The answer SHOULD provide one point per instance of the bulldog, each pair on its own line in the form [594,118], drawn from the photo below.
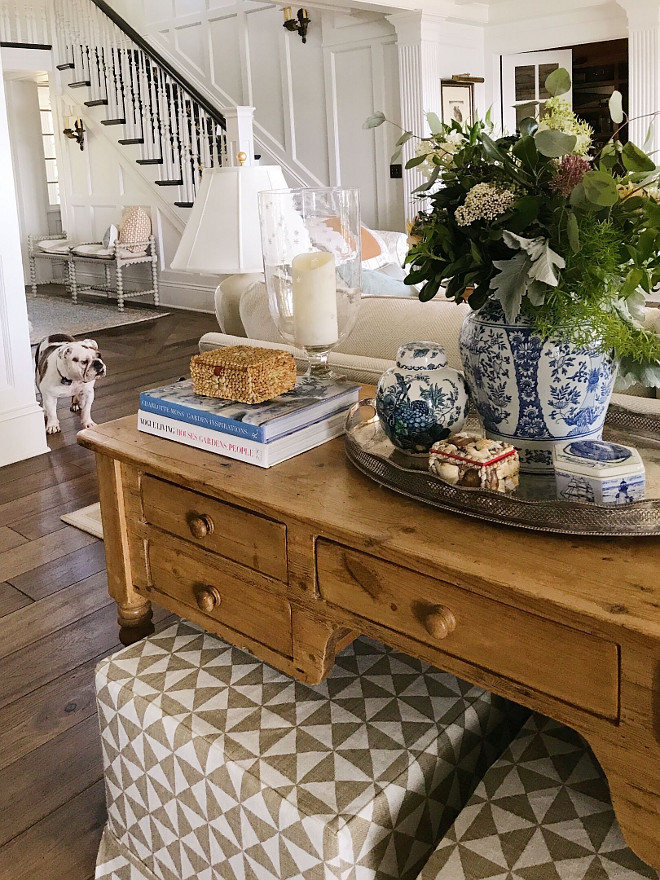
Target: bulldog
[67,368]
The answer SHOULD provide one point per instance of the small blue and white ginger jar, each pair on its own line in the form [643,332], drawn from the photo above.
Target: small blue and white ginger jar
[421,400]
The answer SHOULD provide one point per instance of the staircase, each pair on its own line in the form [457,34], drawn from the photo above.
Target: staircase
[173,127]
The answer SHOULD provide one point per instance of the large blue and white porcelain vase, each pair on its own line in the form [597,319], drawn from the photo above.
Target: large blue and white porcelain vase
[530,392]
[421,400]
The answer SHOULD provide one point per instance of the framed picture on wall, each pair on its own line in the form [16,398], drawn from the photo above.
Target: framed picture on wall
[457,101]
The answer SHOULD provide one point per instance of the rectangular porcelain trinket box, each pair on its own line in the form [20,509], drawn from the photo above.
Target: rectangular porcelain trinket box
[597,472]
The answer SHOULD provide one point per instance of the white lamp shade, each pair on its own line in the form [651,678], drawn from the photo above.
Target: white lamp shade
[222,236]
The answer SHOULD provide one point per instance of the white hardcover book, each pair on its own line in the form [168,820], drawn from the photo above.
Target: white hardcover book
[264,455]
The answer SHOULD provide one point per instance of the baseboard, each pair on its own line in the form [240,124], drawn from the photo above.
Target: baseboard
[22,433]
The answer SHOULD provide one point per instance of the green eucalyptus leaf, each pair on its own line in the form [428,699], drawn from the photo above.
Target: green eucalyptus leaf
[415,161]
[528,127]
[376,119]
[554,144]
[573,232]
[608,157]
[434,123]
[600,188]
[577,197]
[616,107]
[646,245]
[396,155]
[635,159]
[405,137]
[558,82]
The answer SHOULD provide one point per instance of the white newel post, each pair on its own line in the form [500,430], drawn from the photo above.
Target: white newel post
[240,137]
[644,70]
[22,433]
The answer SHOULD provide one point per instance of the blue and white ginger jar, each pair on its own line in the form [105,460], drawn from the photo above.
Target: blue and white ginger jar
[530,392]
[421,400]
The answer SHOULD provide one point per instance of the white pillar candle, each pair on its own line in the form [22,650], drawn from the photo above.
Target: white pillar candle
[315,299]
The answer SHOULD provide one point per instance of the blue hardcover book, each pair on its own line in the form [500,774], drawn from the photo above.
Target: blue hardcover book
[312,399]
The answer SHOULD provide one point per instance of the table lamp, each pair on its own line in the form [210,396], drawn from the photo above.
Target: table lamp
[222,234]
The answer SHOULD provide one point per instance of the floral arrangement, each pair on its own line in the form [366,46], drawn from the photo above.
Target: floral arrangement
[563,234]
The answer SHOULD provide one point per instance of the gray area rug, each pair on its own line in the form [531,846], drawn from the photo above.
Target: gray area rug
[54,315]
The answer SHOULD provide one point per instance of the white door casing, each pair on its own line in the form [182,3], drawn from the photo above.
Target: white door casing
[523,79]
[22,433]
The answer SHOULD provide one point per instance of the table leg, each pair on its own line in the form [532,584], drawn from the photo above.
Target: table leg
[134,611]
[629,753]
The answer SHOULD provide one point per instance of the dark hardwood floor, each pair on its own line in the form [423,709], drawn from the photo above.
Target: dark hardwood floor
[57,620]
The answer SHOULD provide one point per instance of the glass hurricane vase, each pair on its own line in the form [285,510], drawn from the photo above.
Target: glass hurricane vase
[312,262]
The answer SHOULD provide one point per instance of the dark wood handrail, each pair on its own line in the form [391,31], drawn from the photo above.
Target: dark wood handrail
[139,40]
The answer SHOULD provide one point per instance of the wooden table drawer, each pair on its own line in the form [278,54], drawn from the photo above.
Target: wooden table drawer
[237,534]
[549,657]
[256,613]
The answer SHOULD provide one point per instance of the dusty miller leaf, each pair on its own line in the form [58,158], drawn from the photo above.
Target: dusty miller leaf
[510,284]
[536,293]
[543,267]
[632,373]
[531,246]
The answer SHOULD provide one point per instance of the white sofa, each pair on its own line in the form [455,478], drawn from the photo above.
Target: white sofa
[383,324]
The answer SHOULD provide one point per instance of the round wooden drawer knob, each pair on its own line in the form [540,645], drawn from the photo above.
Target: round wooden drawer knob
[440,622]
[208,599]
[200,526]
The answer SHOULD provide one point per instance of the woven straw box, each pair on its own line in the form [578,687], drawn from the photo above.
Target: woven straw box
[243,373]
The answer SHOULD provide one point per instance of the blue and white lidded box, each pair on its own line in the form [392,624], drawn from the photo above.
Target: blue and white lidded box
[597,472]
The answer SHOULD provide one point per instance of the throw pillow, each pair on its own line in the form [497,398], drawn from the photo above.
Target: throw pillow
[134,230]
[110,236]
[379,284]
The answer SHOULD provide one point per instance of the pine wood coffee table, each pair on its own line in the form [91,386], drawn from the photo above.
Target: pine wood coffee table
[294,561]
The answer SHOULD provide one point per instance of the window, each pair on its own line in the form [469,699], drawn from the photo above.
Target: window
[48,135]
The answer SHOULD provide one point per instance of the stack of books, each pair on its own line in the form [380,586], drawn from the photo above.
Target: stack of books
[264,433]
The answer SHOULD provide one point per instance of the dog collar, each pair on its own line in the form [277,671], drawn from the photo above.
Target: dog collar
[65,381]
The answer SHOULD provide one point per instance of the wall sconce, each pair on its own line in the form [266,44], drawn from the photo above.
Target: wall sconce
[75,131]
[300,23]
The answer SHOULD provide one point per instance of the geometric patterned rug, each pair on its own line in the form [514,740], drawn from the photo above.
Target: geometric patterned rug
[542,812]
[219,766]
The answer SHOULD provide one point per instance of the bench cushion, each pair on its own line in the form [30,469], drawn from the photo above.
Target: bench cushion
[541,812]
[217,765]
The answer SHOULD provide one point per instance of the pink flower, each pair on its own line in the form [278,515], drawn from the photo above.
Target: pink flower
[569,173]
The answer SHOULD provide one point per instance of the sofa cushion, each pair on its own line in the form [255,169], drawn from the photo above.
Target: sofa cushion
[217,765]
[382,325]
[541,812]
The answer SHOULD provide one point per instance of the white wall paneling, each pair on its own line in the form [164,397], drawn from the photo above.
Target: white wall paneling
[22,433]
[310,99]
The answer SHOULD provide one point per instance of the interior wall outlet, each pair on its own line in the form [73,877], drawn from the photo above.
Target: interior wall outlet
[396,171]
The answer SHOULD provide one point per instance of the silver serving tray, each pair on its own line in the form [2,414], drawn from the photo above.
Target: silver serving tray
[534,504]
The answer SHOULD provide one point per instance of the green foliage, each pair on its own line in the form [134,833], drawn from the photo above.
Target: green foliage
[558,82]
[536,222]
